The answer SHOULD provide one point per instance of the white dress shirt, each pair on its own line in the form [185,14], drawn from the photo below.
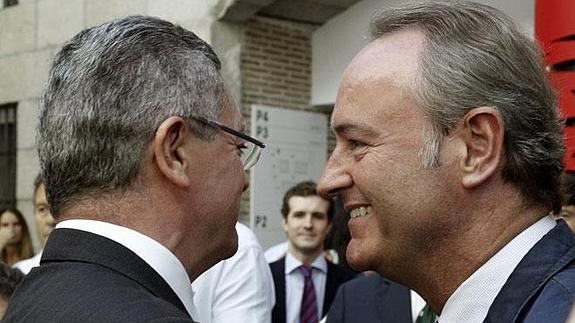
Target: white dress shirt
[295,282]
[238,289]
[276,252]
[471,300]
[27,264]
[162,260]
[417,304]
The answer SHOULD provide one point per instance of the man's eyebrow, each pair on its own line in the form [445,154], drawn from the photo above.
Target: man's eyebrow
[360,129]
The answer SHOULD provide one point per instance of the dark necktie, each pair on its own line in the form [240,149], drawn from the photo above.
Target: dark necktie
[426,315]
[308,311]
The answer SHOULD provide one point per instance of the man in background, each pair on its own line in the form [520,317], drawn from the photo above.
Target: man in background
[305,282]
[44,225]
[143,159]
[448,156]
[372,298]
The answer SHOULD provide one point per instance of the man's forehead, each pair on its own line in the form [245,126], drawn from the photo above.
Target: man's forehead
[395,52]
[308,199]
[231,116]
[384,71]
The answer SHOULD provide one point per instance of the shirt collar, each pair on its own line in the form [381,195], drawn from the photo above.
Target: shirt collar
[471,300]
[292,263]
[160,258]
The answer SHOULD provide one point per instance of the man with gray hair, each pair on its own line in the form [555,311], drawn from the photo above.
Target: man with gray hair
[448,158]
[143,159]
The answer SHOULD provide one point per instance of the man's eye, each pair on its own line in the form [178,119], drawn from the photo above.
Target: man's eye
[354,144]
[242,149]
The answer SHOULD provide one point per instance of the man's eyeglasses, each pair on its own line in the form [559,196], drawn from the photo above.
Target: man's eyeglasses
[253,147]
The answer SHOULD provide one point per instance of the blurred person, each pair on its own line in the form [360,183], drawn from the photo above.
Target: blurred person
[448,157]
[240,287]
[279,250]
[305,282]
[9,279]
[143,159]
[567,212]
[44,225]
[15,241]
[371,298]
[335,242]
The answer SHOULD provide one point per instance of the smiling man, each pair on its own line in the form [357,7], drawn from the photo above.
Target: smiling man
[448,157]
[305,282]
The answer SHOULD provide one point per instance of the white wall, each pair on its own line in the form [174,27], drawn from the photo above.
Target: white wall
[336,42]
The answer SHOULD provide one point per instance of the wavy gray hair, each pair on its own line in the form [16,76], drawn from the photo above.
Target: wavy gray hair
[473,55]
[109,89]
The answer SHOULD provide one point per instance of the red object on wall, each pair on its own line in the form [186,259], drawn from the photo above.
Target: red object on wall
[564,82]
[555,30]
[569,133]
[554,20]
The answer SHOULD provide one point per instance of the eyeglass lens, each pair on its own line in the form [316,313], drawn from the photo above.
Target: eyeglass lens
[251,155]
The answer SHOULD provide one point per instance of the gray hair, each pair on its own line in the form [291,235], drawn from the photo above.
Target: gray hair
[473,55]
[109,89]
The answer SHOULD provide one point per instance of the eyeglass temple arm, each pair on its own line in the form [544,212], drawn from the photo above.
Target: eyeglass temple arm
[232,131]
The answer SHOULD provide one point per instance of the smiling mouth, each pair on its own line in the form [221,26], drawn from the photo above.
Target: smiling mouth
[360,211]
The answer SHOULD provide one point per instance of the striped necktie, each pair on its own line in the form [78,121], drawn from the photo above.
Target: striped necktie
[426,315]
[308,311]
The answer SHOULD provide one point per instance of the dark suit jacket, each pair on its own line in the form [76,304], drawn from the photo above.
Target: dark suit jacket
[542,287]
[336,275]
[371,299]
[84,277]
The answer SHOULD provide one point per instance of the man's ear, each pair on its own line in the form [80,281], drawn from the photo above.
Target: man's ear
[170,152]
[483,133]
[284,223]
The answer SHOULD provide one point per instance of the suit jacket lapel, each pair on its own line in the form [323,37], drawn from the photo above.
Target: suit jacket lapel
[393,301]
[330,287]
[552,253]
[76,245]
[278,273]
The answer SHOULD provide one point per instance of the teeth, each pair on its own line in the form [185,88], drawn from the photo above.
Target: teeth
[360,211]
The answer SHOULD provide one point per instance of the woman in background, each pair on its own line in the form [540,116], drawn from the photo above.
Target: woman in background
[15,241]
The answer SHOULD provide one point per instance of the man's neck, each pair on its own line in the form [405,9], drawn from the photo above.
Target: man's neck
[12,255]
[43,240]
[451,265]
[306,257]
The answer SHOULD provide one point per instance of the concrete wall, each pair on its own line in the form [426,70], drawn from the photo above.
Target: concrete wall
[32,31]
[336,42]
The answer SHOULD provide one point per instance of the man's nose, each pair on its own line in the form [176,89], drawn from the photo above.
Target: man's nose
[308,223]
[334,178]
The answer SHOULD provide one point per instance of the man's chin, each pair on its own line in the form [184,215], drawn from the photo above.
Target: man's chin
[308,246]
[357,259]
